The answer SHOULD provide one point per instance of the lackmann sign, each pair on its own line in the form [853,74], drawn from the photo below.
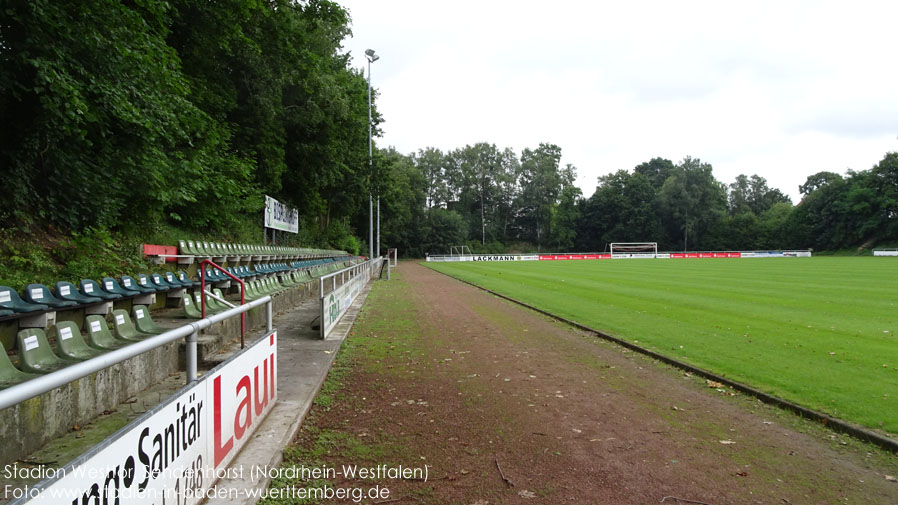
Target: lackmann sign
[176,452]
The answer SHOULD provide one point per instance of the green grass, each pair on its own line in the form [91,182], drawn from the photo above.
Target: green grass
[822,332]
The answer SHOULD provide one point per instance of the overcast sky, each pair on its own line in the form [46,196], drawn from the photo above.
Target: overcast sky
[778,89]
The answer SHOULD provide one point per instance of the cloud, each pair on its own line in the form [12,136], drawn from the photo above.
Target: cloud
[783,90]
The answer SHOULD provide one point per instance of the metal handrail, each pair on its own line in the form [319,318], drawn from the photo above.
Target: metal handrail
[39,385]
[351,270]
[242,296]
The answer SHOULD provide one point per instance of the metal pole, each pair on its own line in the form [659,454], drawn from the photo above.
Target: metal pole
[268,319]
[191,356]
[370,171]
[377,250]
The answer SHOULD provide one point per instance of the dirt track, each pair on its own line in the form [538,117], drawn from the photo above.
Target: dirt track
[480,389]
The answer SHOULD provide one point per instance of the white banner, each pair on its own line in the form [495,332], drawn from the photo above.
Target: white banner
[337,302]
[885,253]
[280,217]
[486,257]
[175,452]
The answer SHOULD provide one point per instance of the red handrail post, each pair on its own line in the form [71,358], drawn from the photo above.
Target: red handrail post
[242,296]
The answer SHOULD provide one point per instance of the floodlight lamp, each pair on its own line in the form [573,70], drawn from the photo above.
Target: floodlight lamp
[369,53]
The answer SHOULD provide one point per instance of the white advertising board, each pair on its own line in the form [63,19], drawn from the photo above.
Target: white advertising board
[486,257]
[175,452]
[280,217]
[337,302]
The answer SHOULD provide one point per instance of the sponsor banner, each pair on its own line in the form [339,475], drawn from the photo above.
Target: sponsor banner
[633,255]
[797,254]
[175,452]
[663,256]
[503,257]
[885,253]
[338,301]
[280,217]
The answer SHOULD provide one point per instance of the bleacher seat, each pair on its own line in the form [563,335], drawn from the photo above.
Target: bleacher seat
[90,287]
[35,353]
[172,279]
[146,281]
[124,328]
[163,284]
[98,335]
[40,295]
[6,312]
[10,300]
[9,374]
[182,276]
[68,291]
[190,310]
[70,343]
[110,285]
[131,283]
[144,322]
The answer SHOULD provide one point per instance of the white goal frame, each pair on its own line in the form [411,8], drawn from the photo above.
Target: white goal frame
[628,249]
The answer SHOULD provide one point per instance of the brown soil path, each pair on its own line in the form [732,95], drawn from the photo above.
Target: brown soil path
[443,374]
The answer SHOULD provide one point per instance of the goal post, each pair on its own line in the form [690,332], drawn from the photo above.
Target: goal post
[634,249]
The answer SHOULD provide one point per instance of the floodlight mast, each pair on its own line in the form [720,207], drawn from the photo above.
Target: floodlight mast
[371,57]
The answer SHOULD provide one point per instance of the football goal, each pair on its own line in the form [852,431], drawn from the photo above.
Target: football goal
[634,249]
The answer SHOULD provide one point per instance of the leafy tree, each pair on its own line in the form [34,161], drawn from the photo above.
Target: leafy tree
[691,201]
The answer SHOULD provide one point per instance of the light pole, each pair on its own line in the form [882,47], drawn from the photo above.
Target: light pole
[369,54]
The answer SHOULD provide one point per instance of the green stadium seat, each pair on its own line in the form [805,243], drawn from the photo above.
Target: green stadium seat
[70,343]
[146,281]
[182,276]
[124,328]
[98,335]
[110,285]
[221,306]
[68,291]
[144,322]
[191,310]
[163,284]
[35,353]
[41,295]
[6,312]
[9,374]
[131,283]
[91,288]
[172,279]
[10,300]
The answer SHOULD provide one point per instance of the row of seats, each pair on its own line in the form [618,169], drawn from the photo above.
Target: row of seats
[37,356]
[38,297]
[218,249]
[255,289]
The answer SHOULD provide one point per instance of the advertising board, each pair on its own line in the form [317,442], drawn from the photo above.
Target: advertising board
[175,452]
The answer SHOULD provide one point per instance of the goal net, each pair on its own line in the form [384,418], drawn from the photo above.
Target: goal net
[634,249]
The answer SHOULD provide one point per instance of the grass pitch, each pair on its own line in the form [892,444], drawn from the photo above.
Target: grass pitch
[818,331]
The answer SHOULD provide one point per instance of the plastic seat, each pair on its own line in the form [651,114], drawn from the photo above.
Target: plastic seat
[9,374]
[41,295]
[172,279]
[145,281]
[144,322]
[35,354]
[124,328]
[70,343]
[131,283]
[98,335]
[91,288]
[68,291]
[160,281]
[191,310]
[182,276]
[6,312]
[223,306]
[110,285]
[10,300]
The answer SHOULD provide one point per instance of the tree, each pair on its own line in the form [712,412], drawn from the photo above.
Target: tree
[541,184]
[691,200]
